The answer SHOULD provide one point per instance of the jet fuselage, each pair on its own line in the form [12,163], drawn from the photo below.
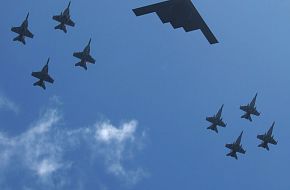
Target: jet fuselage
[65,17]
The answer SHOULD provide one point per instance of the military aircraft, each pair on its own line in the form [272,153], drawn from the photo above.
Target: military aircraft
[42,76]
[250,109]
[236,147]
[22,31]
[84,56]
[64,19]
[216,120]
[179,13]
[267,138]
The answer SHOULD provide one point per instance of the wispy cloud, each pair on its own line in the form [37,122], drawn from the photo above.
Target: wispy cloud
[53,154]
[114,147]
[108,133]
[34,147]
[5,103]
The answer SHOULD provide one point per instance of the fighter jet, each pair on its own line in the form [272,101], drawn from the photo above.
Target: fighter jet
[84,56]
[42,76]
[179,13]
[64,19]
[267,138]
[250,109]
[236,147]
[216,120]
[22,31]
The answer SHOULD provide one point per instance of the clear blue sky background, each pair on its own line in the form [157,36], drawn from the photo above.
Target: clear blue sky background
[166,79]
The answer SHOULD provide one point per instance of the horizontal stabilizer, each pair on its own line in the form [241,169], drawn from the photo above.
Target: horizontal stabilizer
[233,154]
[264,145]
[213,127]
[20,39]
[81,64]
[247,116]
[40,83]
[61,27]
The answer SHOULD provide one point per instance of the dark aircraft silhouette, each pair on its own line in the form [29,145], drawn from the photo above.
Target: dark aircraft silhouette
[42,76]
[22,31]
[216,120]
[250,109]
[64,19]
[84,56]
[267,138]
[236,147]
[180,13]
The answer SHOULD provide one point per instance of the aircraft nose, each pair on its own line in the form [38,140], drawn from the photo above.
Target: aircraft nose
[48,60]
[27,16]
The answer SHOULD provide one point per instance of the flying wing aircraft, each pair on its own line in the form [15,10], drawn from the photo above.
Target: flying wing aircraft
[43,76]
[236,147]
[22,31]
[216,120]
[64,19]
[250,109]
[267,138]
[179,13]
[84,56]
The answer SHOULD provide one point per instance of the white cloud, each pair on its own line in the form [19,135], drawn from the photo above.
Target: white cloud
[46,166]
[45,150]
[55,100]
[113,145]
[5,103]
[33,147]
[108,133]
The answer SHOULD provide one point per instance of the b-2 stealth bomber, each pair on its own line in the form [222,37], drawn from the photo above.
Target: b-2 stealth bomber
[267,138]
[250,109]
[179,13]
[236,147]
[22,31]
[216,120]
[85,57]
[43,76]
[64,19]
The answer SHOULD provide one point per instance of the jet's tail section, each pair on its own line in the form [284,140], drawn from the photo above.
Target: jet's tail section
[213,127]
[20,39]
[82,64]
[264,145]
[233,154]
[40,83]
[61,27]
[247,116]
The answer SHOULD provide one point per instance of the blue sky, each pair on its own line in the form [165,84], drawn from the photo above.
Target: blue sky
[136,119]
